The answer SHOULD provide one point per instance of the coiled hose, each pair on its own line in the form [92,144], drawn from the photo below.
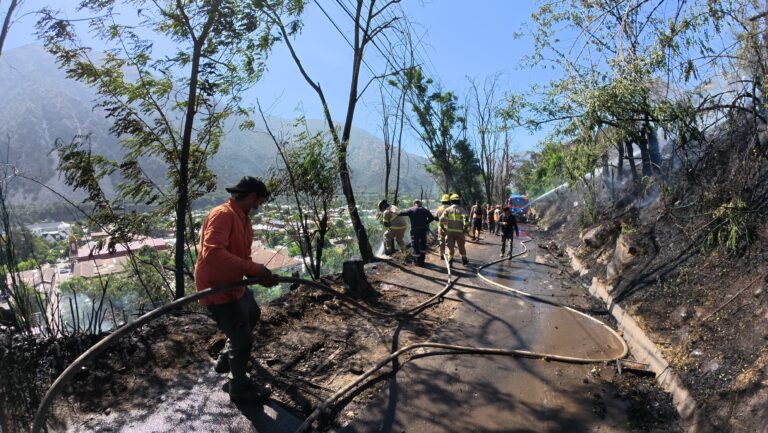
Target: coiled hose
[73,368]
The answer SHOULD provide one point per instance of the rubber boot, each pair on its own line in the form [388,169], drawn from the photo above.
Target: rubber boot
[464,260]
[247,390]
[222,363]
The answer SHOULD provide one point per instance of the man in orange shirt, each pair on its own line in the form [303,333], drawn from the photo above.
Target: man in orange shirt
[224,256]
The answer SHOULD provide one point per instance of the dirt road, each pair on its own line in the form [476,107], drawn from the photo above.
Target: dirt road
[452,393]
[429,393]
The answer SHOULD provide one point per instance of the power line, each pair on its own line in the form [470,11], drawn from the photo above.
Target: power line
[423,58]
[364,62]
[386,55]
[338,29]
[356,24]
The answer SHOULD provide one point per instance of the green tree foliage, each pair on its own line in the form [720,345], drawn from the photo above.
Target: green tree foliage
[308,175]
[366,31]
[32,249]
[120,294]
[165,104]
[634,68]
[625,61]
[442,129]
[542,171]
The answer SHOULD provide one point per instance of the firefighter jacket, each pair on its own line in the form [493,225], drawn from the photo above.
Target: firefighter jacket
[420,218]
[438,214]
[453,219]
[439,211]
[392,220]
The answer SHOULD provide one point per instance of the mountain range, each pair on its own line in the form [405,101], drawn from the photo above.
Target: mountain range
[41,105]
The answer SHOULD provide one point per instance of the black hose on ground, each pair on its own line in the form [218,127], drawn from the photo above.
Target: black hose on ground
[103,344]
[73,368]
[324,405]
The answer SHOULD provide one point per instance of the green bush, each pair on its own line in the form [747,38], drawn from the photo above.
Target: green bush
[733,226]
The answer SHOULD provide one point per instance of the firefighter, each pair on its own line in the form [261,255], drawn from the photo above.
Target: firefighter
[453,222]
[420,218]
[394,226]
[445,201]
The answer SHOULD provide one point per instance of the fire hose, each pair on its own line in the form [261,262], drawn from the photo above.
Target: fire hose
[323,406]
[102,345]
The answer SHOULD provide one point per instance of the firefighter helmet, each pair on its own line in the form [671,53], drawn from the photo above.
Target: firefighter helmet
[383,205]
[455,197]
[445,198]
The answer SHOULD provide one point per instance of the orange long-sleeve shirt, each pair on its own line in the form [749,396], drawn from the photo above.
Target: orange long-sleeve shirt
[224,253]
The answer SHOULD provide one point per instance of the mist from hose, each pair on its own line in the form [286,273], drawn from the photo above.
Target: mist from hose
[552,191]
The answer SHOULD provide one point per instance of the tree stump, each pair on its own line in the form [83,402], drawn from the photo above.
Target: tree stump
[353,275]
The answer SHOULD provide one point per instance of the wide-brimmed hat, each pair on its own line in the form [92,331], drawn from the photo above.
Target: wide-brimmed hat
[250,184]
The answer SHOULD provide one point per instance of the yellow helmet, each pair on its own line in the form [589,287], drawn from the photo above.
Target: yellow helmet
[455,196]
[445,197]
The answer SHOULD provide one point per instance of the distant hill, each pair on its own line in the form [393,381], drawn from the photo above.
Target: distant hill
[40,105]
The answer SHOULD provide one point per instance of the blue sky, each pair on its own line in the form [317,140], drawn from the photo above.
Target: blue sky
[460,39]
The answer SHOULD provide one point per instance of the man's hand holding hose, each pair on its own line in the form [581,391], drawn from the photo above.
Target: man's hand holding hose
[266,277]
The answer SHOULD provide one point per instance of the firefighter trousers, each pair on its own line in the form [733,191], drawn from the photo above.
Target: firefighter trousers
[390,237]
[455,238]
[441,240]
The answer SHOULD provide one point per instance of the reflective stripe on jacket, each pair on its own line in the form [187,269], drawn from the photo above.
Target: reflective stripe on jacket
[392,220]
[452,219]
[438,214]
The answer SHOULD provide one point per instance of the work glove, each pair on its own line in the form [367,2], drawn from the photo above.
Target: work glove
[268,279]
[264,276]
[387,224]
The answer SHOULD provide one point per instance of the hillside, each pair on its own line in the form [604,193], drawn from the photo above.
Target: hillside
[684,255]
[40,105]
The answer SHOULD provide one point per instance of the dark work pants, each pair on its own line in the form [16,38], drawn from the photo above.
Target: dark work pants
[507,238]
[419,244]
[237,320]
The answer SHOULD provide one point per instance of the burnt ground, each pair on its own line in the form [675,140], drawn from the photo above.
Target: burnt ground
[705,307]
[308,345]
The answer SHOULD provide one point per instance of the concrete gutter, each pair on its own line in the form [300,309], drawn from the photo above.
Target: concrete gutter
[645,351]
